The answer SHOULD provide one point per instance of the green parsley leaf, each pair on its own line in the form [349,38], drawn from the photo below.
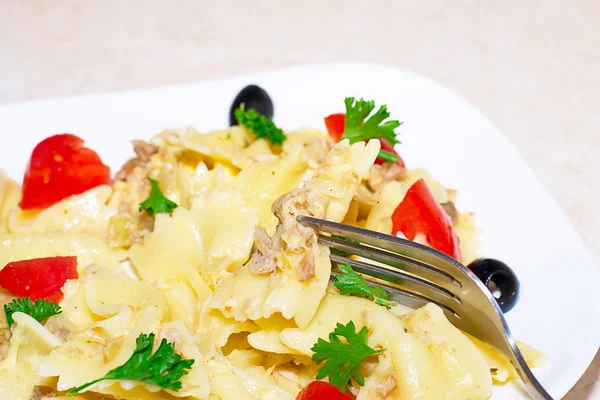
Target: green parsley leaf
[39,310]
[157,203]
[387,156]
[259,125]
[164,368]
[349,282]
[357,129]
[343,358]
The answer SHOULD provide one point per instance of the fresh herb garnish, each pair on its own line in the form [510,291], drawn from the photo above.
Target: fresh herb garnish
[387,156]
[356,129]
[157,203]
[343,358]
[164,368]
[349,282]
[39,310]
[259,125]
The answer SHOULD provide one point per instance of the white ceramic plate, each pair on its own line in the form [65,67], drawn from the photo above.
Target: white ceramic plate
[521,224]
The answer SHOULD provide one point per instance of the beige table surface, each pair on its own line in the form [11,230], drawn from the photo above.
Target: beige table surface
[533,67]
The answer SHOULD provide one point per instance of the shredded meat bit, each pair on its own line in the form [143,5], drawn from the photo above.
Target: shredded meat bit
[386,386]
[143,151]
[306,268]
[127,169]
[451,210]
[262,260]
[43,393]
[287,207]
[380,175]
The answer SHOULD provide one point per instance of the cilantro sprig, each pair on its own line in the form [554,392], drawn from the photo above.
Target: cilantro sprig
[157,203]
[164,368]
[343,357]
[349,282]
[259,125]
[356,129]
[39,310]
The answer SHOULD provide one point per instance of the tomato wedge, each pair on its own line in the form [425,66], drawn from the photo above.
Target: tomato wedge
[39,278]
[419,212]
[335,127]
[318,390]
[335,124]
[60,167]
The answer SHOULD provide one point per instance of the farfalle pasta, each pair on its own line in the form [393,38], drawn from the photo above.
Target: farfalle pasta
[227,277]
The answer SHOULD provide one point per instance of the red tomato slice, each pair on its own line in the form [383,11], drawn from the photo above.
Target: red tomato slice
[318,390]
[60,167]
[419,212]
[335,124]
[39,278]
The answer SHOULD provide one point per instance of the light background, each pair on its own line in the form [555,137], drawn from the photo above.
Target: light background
[533,67]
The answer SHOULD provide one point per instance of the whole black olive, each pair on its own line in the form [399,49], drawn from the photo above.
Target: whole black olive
[253,97]
[495,272]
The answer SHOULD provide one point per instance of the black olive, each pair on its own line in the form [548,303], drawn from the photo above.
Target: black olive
[502,276]
[253,97]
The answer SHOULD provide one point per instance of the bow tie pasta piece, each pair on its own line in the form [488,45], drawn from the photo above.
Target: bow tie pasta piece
[86,212]
[263,182]
[219,329]
[173,252]
[225,224]
[231,382]
[315,144]
[298,284]
[226,146]
[215,235]
[29,341]
[267,338]
[89,249]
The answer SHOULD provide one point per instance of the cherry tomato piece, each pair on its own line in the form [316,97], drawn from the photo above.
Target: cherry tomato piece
[39,278]
[419,212]
[318,390]
[61,167]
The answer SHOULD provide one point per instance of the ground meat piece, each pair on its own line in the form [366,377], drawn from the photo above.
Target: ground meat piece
[127,169]
[451,210]
[379,175]
[43,393]
[386,386]
[262,241]
[306,268]
[144,150]
[262,260]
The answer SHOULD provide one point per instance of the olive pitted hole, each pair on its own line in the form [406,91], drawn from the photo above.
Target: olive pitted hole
[500,279]
[253,97]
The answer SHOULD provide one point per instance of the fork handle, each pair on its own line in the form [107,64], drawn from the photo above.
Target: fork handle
[532,385]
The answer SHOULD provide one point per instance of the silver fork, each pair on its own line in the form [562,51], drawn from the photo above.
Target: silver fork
[416,275]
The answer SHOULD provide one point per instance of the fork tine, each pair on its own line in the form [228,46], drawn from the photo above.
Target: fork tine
[396,277]
[398,291]
[406,255]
